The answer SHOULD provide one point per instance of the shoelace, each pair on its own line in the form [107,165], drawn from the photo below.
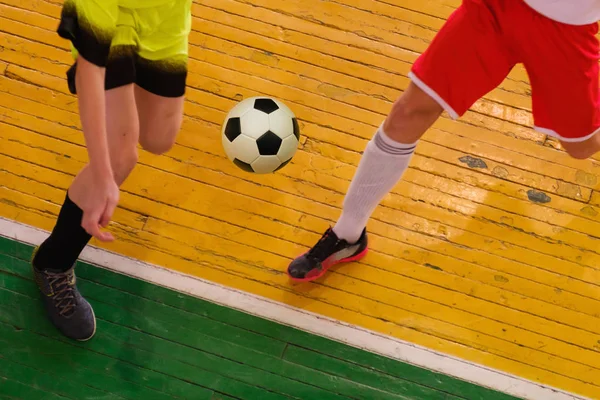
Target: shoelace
[63,292]
[323,247]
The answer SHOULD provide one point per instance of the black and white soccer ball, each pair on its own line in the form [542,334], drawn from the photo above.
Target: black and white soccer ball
[260,135]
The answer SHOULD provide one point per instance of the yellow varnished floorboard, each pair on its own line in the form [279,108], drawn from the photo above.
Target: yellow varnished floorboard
[462,261]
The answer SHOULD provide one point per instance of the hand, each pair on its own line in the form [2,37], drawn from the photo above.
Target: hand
[97,195]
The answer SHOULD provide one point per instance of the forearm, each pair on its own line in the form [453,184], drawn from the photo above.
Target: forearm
[89,81]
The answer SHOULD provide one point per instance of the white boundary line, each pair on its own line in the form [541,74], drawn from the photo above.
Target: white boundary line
[310,322]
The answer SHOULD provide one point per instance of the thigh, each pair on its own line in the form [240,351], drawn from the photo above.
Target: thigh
[583,149]
[122,129]
[161,73]
[159,120]
[411,115]
[466,59]
[562,63]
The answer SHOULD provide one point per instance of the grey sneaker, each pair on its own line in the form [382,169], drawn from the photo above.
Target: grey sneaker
[65,306]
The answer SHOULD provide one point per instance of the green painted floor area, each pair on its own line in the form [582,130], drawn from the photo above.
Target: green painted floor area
[154,343]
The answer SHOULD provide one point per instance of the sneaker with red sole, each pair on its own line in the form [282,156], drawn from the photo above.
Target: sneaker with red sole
[329,250]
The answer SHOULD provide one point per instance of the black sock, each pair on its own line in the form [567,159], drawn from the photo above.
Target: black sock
[66,242]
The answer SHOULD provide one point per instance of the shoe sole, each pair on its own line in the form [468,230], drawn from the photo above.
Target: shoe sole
[357,257]
[93,333]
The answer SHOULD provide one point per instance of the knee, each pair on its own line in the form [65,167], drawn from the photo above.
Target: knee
[408,108]
[411,115]
[159,138]
[124,162]
[159,142]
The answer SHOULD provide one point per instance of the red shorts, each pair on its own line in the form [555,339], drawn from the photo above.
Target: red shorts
[484,39]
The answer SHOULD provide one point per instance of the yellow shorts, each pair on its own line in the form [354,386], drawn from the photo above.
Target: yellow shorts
[138,41]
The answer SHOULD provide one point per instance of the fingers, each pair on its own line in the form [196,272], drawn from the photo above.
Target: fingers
[105,217]
[111,205]
[90,224]
[93,222]
[94,230]
[106,236]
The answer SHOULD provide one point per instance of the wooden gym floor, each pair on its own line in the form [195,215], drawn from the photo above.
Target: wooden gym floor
[487,251]
[156,344]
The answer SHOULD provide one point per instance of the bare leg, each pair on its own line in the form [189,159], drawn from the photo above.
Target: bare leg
[122,131]
[159,119]
[411,115]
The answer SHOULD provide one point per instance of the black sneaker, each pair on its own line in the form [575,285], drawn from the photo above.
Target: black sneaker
[330,250]
[65,307]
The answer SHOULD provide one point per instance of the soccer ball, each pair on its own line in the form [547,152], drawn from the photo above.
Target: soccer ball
[260,135]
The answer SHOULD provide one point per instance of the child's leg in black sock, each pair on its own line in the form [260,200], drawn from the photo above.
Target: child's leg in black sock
[66,242]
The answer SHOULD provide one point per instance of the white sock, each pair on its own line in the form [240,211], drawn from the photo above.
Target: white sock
[381,167]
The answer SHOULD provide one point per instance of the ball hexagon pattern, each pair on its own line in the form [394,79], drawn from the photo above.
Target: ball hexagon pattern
[269,144]
[260,135]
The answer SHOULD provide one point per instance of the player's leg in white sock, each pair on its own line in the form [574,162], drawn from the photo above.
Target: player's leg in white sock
[385,160]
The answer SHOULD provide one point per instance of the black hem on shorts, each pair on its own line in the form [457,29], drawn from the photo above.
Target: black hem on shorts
[124,70]
[121,68]
[161,78]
